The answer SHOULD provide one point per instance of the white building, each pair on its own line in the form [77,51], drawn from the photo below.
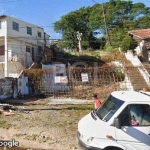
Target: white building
[21,44]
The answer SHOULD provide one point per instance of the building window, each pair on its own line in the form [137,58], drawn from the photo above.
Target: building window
[2,52]
[15,26]
[40,49]
[39,34]
[29,30]
[32,53]
[28,48]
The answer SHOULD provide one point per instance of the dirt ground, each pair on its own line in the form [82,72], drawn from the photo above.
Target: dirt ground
[37,125]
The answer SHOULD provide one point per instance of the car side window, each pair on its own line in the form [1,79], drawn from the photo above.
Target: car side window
[124,117]
[135,115]
[146,116]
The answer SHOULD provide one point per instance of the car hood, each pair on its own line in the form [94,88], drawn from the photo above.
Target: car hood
[93,127]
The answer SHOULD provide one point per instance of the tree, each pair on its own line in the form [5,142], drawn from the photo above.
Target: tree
[120,17]
[143,23]
[73,22]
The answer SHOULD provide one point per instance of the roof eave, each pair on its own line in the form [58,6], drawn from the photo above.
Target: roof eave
[143,38]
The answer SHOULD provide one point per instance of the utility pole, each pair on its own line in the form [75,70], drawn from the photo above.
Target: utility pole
[79,39]
[6,53]
[106,29]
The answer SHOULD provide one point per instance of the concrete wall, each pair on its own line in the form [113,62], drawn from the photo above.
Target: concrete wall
[17,53]
[13,87]
[3,27]
[47,42]
[6,90]
[23,88]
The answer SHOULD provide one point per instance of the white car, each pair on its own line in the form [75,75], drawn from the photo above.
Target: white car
[122,122]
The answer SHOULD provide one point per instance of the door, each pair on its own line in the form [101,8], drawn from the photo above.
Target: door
[135,127]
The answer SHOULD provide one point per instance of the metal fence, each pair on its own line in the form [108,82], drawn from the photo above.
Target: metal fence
[83,82]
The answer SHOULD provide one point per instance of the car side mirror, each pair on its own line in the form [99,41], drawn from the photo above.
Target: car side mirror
[117,123]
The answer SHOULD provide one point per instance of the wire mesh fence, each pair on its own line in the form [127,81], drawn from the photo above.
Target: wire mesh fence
[77,82]
[81,82]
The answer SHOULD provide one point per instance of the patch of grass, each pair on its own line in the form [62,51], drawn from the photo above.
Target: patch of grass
[4,124]
[32,137]
[19,135]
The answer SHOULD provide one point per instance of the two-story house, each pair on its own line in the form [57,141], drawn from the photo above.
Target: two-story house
[21,44]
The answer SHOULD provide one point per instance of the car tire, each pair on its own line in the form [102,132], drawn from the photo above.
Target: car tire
[112,148]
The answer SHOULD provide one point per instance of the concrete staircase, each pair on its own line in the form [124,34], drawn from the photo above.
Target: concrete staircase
[136,72]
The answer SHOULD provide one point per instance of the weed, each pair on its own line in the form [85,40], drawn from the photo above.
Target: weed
[4,124]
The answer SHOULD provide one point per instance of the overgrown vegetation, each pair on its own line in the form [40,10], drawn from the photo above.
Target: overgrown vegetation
[97,64]
[119,75]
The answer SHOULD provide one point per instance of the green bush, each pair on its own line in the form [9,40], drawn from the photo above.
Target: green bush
[119,76]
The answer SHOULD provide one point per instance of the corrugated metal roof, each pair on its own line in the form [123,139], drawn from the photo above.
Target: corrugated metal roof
[142,34]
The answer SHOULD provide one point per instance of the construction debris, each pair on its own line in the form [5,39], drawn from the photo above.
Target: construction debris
[8,113]
[6,109]
[5,106]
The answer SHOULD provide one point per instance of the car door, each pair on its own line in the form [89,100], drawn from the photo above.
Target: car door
[135,127]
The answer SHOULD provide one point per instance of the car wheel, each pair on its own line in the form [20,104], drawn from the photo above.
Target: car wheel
[112,148]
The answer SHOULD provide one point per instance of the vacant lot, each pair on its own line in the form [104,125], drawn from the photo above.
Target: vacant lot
[42,126]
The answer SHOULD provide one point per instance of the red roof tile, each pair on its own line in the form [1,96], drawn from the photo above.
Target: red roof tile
[142,34]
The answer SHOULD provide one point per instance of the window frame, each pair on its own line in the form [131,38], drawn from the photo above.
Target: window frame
[130,117]
[40,49]
[28,49]
[39,34]
[105,113]
[29,30]
[15,26]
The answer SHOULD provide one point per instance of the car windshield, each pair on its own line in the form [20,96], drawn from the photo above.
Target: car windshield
[109,107]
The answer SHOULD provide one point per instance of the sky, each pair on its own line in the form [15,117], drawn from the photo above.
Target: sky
[44,13]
